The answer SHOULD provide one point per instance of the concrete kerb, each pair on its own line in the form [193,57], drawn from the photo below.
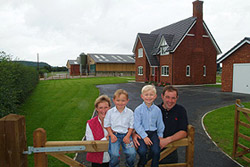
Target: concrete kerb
[203,126]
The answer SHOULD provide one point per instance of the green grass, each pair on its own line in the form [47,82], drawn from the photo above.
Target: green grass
[218,78]
[62,108]
[220,126]
[214,85]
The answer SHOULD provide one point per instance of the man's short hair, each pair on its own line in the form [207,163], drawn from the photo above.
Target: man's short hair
[170,88]
[102,98]
[148,88]
[119,92]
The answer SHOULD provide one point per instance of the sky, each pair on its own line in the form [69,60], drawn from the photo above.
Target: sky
[60,30]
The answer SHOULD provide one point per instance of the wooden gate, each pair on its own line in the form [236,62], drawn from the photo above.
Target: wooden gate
[39,137]
[236,145]
[13,145]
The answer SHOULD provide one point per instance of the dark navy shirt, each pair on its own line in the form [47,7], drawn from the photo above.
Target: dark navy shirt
[174,119]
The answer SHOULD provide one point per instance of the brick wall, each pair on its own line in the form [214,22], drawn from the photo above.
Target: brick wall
[75,69]
[166,60]
[142,61]
[241,55]
[188,54]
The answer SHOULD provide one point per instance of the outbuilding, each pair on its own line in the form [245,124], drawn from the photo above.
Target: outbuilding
[110,64]
[236,68]
[73,67]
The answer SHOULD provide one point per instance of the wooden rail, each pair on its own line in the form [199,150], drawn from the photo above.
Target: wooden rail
[244,149]
[100,146]
[13,144]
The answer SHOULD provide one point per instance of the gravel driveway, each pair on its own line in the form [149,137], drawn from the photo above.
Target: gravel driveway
[198,100]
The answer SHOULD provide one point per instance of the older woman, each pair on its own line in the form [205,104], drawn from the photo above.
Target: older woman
[95,131]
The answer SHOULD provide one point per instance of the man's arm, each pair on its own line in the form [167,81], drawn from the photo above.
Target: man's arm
[177,136]
[135,137]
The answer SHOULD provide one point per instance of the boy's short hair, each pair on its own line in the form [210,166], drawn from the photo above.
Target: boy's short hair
[120,92]
[170,88]
[102,98]
[148,88]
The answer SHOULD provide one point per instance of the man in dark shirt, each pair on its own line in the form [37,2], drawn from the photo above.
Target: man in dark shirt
[175,121]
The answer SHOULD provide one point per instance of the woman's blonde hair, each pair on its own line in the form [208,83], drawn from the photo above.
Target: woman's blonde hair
[102,98]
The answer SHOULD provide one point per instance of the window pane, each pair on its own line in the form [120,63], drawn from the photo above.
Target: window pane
[204,71]
[188,70]
[140,52]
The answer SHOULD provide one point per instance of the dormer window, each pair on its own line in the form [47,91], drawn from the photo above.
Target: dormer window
[163,47]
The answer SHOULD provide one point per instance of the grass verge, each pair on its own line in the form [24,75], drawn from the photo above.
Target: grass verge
[62,108]
[220,126]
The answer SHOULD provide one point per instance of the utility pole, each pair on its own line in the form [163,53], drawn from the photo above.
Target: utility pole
[38,62]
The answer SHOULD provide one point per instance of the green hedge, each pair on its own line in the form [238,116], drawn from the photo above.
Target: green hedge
[16,83]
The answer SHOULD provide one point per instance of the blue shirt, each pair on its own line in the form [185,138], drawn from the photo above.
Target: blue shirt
[119,121]
[148,119]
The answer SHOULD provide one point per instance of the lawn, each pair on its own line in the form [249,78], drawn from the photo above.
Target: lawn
[220,126]
[218,78]
[62,108]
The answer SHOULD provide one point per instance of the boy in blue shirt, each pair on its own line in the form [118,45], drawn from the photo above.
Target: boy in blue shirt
[149,125]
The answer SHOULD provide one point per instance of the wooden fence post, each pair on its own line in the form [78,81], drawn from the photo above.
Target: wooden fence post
[236,128]
[13,141]
[190,147]
[39,140]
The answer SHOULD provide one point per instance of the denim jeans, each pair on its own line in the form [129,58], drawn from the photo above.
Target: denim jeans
[154,150]
[128,150]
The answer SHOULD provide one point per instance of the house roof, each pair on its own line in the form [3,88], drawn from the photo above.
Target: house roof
[178,30]
[73,62]
[173,34]
[148,41]
[112,58]
[233,49]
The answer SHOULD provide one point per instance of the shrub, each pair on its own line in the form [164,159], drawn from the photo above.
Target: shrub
[16,83]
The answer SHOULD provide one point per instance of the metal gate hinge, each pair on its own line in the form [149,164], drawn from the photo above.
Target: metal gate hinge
[32,149]
[240,105]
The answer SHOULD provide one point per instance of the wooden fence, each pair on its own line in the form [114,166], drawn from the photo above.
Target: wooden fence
[13,143]
[236,145]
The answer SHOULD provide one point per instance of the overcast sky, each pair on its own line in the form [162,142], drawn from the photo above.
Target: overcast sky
[60,30]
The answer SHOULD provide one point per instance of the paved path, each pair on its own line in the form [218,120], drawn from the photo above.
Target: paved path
[198,100]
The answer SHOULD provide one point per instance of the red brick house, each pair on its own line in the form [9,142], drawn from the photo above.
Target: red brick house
[181,53]
[236,68]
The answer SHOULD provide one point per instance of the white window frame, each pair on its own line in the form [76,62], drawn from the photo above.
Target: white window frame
[204,71]
[153,71]
[165,70]
[188,71]
[140,52]
[163,47]
[140,70]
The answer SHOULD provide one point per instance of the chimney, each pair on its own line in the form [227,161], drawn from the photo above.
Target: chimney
[198,13]
[198,9]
